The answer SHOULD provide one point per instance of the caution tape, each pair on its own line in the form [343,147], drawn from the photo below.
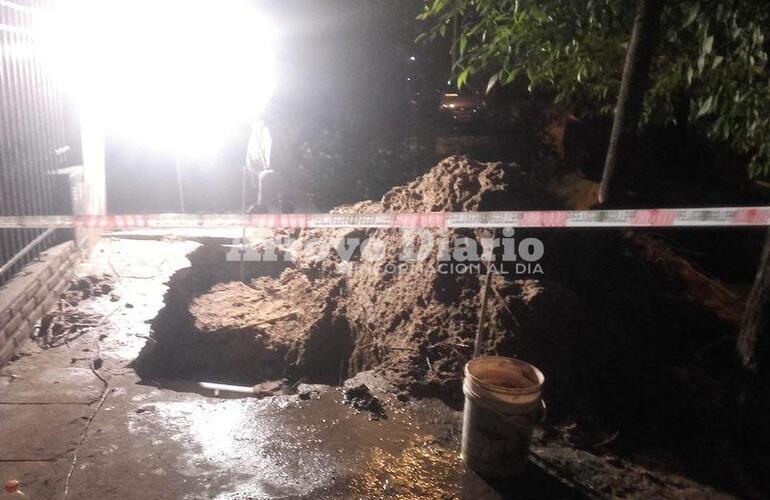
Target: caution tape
[684,217]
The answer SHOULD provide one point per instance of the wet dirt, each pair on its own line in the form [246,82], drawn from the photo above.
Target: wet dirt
[361,398]
[325,320]
[67,322]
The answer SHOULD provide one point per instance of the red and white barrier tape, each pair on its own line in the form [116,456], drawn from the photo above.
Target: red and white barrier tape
[685,217]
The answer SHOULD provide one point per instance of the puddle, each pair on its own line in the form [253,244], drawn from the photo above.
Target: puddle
[275,447]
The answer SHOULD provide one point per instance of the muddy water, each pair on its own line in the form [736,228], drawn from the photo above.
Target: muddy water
[288,447]
[507,379]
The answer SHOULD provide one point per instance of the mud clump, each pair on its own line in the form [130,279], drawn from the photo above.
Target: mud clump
[362,399]
[88,286]
[67,322]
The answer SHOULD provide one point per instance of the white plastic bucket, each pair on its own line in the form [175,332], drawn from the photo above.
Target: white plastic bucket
[503,403]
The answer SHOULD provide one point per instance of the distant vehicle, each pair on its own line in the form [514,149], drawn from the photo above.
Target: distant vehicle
[462,108]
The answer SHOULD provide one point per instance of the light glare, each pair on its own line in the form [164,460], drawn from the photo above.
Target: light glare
[180,74]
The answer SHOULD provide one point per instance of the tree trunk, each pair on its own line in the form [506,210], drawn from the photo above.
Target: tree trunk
[631,99]
[753,337]
[754,352]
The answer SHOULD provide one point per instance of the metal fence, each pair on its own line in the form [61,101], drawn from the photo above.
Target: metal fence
[34,134]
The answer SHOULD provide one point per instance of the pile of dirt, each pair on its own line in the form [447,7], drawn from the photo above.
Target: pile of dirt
[610,329]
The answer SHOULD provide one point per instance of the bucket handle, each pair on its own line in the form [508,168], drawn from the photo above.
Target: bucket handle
[542,412]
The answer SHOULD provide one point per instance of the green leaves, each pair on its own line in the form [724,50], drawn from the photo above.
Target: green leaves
[706,107]
[511,75]
[713,52]
[692,15]
[462,78]
[492,82]
[433,9]
[701,63]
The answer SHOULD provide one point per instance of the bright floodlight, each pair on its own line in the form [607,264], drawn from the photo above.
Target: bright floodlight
[181,74]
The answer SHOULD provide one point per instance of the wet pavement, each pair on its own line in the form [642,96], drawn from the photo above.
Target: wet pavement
[76,422]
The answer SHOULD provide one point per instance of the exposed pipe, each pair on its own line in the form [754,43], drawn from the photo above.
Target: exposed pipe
[239,389]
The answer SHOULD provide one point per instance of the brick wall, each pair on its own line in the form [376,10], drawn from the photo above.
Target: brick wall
[34,292]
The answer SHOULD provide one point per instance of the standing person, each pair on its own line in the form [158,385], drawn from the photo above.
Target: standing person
[272,157]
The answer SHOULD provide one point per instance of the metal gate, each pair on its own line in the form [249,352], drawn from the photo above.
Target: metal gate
[35,133]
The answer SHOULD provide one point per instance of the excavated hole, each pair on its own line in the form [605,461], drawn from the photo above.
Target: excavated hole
[270,326]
